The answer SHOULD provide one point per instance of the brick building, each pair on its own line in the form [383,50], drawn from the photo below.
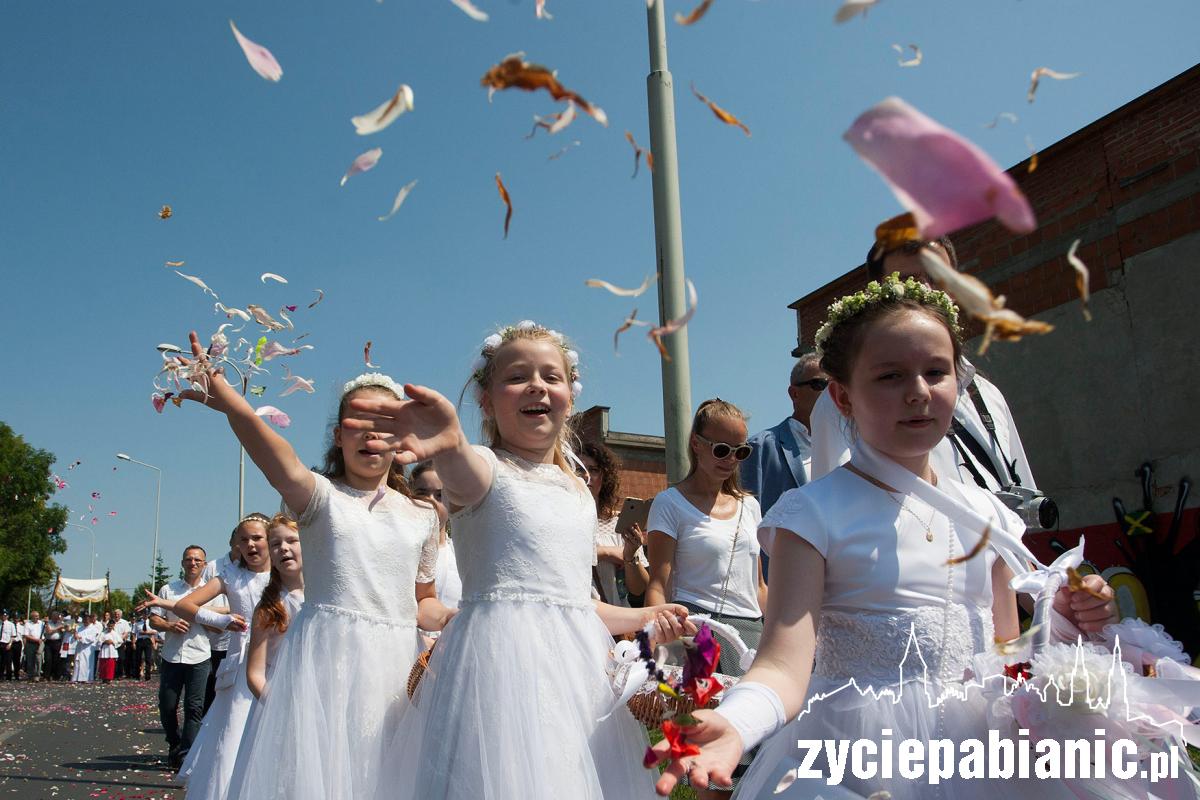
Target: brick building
[1096,400]
[642,458]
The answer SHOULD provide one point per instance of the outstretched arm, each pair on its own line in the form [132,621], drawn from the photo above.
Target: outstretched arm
[422,427]
[782,667]
[269,451]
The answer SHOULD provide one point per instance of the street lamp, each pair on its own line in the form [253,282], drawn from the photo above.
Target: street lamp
[668,235]
[92,563]
[157,505]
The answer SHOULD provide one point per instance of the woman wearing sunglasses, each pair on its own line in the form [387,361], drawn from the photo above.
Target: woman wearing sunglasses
[702,541]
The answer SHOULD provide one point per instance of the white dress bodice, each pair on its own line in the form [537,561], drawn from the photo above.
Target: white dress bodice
[360,559]
[292,602]
[889,592]
[532,536]
[243,589]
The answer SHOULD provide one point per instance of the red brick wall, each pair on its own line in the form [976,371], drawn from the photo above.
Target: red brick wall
[642,478]
[1125,184]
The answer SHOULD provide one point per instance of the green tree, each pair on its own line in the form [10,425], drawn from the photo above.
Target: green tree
[30,526]
[119,598]
[161,576]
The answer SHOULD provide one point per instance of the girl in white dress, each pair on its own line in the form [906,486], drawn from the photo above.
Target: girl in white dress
[370,551]
[515,702]
[211,758]
[864,556]
[280,602]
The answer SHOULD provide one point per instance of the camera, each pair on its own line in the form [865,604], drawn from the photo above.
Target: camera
[1036,510]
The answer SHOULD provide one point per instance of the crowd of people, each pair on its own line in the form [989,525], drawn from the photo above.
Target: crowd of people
[448,631]
[78,646]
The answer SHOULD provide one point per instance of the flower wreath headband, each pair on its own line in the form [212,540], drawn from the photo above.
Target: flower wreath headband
[890,288]
[376,379]
[506,334]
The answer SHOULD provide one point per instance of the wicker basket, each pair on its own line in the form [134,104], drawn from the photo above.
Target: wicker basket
[648,706]
[418,670]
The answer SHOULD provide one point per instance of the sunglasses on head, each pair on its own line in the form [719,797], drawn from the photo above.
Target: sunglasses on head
[721,451]
[816,384]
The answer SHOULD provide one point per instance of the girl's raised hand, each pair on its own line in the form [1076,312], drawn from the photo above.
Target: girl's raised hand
[720,748]
[211,387]
[420,427]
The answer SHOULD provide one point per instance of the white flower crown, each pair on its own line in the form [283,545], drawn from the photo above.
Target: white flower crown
[890,288]
[493,342]
[373,379]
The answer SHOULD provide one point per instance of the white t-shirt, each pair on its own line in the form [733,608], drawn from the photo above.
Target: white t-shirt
[32,629]
[182,648]
[8,632]
[702,553]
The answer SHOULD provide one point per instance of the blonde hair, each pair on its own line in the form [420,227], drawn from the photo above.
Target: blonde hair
[485,371]
[707,411]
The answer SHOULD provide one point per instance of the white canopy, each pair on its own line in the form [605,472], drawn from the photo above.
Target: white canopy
[81,590]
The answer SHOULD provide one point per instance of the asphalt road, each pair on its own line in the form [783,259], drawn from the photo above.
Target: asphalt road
[63,741]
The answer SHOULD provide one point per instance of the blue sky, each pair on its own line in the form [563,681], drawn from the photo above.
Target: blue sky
[109,111]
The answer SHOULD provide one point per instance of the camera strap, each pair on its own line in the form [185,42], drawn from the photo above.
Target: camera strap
[961,436]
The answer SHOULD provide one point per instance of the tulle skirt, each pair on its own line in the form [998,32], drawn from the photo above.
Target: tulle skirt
[210,760]
[914,713]
[516,704]
[333,695]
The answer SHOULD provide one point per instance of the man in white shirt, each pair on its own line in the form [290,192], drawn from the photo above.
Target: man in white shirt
[122,628]
[32,636]
[53,652]
[144,654]
[185,661]
[9,647]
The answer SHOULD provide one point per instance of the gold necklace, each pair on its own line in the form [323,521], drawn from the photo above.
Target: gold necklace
[887,490]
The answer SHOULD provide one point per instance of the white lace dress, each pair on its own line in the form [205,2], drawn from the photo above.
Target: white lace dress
[510,703]
[341,670]
[895,618]
[210,761]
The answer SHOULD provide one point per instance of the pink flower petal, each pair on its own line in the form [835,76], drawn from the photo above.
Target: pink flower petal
[260,58]
[944,180]
[363,163]
[274,416]
[159,401]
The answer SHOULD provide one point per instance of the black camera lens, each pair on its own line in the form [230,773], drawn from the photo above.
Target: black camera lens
[1048,514]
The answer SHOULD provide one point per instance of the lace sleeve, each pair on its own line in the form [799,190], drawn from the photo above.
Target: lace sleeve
[427,566]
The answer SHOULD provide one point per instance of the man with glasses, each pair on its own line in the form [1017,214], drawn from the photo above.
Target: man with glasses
[782,453]
[185,661]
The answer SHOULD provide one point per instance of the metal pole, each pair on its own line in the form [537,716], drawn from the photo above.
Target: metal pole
[29,602]
[668,236]
[154,559]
